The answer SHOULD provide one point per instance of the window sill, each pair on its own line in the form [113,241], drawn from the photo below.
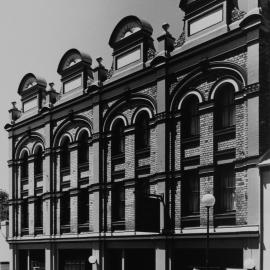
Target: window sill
[142,152]
[65,171]
[225,218]
[225,131]
[190,139]
[38,177]
[118,158]
[83,166]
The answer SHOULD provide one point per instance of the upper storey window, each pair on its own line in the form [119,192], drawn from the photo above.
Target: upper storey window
[38,164]
[205,18]
[131,41]
[205,21]
[32,90]
[65,154]
[225,107]
[24,165]
[75,69]
[191,118]
[83,148]
[142,131]
[128,58]
[118,138]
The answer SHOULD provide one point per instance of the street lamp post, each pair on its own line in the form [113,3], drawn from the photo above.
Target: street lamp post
[208,200]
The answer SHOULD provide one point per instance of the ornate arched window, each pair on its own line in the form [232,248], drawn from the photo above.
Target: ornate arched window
[65,154]
[224,106]
[24,165]
[38,163]
[118,138]
[191,117]
[83,148]
[142,131]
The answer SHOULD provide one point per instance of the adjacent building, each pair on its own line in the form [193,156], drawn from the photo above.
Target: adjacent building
[115,165]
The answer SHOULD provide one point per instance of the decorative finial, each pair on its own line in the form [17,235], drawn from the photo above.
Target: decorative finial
[99,60]
[14,104]
[51,84]
[165,27]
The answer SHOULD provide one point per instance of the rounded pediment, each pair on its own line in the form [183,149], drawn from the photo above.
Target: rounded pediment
[127,27]
[72,57]
[29,81]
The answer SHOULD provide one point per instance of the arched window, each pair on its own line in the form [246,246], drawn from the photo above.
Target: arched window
[118,138]
[65,154]
[191,118]
[225,107]
[38,164]
[83,148]
[24,165]
[142,131]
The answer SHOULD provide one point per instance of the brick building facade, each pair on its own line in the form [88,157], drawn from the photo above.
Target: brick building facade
[115,165]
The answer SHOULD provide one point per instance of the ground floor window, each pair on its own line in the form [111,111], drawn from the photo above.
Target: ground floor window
[74,259]
[32,259]
[130,259]
[188,259]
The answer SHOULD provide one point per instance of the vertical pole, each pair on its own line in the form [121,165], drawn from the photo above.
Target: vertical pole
[207,239]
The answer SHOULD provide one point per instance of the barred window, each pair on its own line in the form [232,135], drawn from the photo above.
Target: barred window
[190,193]
[118,138]
[83,148]
[225,107]
[225,189]
[142,131]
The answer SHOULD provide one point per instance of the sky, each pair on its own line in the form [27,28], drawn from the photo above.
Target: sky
[35,34]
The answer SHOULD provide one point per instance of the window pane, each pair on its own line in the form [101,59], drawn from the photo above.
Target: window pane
[191,118]
[118,139]
[225,189]
[142,131]
[225,107]
[191,193]
[83,149]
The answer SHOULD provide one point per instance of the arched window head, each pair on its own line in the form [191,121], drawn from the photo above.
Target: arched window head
[142,131]
[191,117]
[24,165]
[118,138]
[224,106]
[38,164]
[83,148]
[65,154]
